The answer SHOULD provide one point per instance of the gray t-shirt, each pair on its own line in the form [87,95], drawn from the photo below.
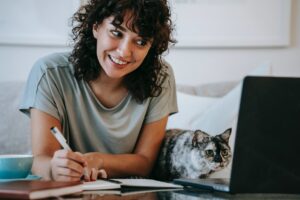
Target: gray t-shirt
[88,125]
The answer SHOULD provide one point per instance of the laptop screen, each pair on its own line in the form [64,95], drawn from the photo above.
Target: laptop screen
[266,157]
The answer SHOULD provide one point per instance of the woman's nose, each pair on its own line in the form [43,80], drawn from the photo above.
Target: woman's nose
[125,48]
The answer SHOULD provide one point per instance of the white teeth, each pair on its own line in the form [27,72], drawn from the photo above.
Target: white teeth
[116,60]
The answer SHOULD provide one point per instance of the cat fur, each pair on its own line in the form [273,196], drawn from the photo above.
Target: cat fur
[192,154]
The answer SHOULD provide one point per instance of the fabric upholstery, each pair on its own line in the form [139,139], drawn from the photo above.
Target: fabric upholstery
[14,126]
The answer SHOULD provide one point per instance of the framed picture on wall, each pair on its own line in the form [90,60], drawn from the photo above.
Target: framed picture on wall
[36,22]
[232,23]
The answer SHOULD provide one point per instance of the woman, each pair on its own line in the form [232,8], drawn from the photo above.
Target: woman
[110,97]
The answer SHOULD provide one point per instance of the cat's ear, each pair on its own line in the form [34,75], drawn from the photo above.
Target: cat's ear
[201,133]
[225,136]
[200,137]
[195,140]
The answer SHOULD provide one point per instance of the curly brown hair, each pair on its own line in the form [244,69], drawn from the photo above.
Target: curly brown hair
[151,19]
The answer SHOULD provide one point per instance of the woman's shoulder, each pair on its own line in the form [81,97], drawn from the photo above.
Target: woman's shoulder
[168,73]
[54,63]
[53,60]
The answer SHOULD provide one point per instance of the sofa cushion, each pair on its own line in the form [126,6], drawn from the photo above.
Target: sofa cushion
[217,89]
[190,107]
[14,126]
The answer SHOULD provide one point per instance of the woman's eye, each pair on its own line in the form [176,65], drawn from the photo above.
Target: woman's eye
[142,42]
[116,33]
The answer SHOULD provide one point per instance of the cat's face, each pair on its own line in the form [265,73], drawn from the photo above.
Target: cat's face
[214,150]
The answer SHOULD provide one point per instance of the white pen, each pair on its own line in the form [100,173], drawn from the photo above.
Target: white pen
[62,141]
[60,138]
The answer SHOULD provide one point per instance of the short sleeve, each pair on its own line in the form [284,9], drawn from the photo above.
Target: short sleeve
[166,103]
[39,92]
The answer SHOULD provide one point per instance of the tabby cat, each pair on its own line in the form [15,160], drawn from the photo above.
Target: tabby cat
[192,154]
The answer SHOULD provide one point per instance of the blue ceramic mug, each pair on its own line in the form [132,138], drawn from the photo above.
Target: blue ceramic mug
[15,166]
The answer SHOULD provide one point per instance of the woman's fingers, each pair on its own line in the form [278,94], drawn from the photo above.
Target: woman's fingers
[67,178]
[64,174]
[87,174]
[68,172]
[94,174]
[102,173]
[75,156]
[67,165]
[70,164]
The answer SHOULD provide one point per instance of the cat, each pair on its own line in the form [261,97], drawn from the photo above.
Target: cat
[192,154]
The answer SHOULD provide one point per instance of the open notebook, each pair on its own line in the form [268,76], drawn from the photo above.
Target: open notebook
[121,183]
[130,191]
[37,189]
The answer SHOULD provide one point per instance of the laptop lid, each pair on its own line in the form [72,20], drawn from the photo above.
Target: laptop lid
[266,151]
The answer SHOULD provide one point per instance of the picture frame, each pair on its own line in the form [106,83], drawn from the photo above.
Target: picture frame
[231,23]
[36,22]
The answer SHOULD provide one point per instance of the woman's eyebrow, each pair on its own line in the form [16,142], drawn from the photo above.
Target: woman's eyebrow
[122,28]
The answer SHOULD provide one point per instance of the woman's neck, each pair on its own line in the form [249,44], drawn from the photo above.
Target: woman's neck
[108,91]
[107,83]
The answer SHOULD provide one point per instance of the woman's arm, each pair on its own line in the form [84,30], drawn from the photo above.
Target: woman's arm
[49,161]
[139,163]
[52,163]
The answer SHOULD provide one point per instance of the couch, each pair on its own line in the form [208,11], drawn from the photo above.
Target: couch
[211,107]
[15,126]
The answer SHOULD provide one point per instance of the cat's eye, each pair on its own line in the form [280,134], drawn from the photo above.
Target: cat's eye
[224,153]
[209,153]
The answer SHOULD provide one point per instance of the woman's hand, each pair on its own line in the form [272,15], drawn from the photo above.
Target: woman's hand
[67,166]
[94,167]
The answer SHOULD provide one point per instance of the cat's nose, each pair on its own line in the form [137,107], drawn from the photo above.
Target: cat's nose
[217,158]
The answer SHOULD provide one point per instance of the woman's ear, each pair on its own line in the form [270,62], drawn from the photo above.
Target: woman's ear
[95,30]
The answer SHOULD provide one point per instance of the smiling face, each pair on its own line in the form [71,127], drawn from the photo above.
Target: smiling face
[119,50]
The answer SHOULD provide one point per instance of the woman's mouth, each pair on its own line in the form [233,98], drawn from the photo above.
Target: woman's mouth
[117,61]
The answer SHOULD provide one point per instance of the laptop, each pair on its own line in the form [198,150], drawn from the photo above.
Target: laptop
[266,155]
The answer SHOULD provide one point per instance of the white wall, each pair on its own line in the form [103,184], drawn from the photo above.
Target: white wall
[191,66]
[196,66]
[31,29]
[16,61]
